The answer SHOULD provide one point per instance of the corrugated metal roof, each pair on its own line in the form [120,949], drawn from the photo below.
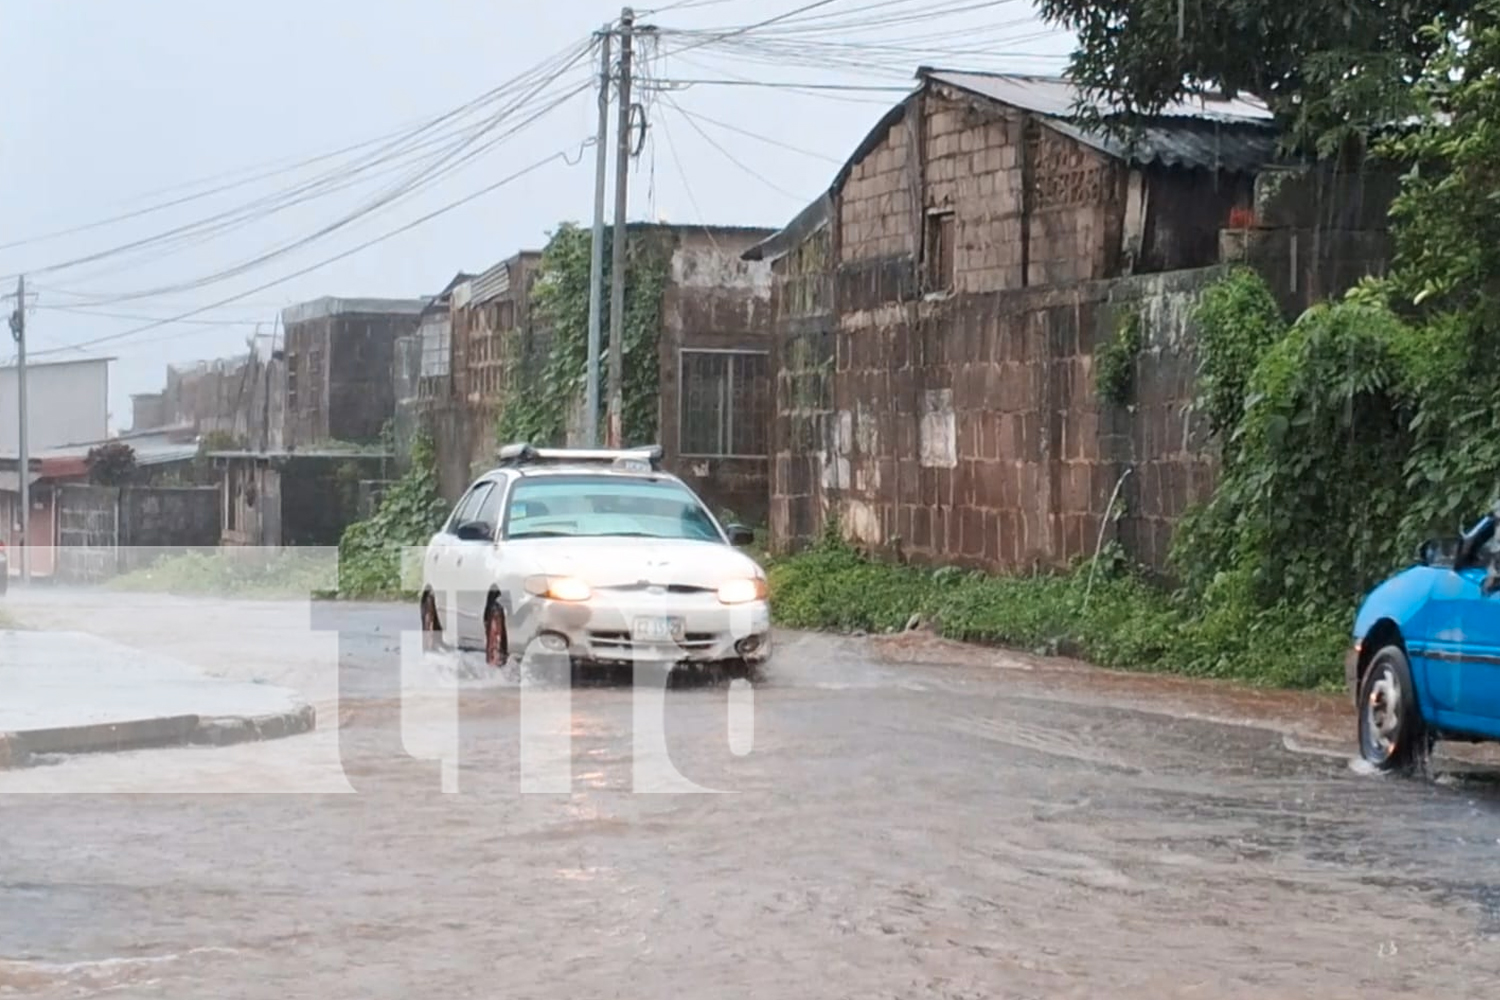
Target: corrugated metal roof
[491,284]
[1056,96]
[808,221]
[1208,144]
[147,451]
[1213,133]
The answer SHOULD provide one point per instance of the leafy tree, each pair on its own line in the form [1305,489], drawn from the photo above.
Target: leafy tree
[1331,70]
[111,464]
[1447,229]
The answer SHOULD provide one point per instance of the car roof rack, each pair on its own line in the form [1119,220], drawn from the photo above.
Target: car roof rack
[522,454]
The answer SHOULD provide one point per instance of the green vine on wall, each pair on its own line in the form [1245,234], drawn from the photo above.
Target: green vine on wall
[560,306]
[411,510]
[1114,360]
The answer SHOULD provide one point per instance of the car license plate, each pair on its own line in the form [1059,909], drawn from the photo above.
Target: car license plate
[656,629]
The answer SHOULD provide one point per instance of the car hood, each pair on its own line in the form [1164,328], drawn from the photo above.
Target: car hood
[623,562]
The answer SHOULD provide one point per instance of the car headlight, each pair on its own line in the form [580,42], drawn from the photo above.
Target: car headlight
[559,588]
[742,591]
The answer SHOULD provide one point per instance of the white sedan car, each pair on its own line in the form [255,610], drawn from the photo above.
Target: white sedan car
[597,554]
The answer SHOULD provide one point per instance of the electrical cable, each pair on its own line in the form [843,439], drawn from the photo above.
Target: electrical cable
[752,135]
[400,135]
[743,29]
[426,176]
[136,317]
[800,199]
[451,206]
[844,22]
[429,172]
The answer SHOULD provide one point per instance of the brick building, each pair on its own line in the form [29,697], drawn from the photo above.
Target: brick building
[938,311]
[234,396]
[339,353]
[495,350]
[713,354]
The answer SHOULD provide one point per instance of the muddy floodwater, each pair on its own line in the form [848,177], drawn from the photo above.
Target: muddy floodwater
[897,819]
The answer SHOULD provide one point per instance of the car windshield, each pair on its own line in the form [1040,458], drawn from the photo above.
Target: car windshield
[604,506]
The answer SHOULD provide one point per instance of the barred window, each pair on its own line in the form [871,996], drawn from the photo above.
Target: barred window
[725,403]
[435,349]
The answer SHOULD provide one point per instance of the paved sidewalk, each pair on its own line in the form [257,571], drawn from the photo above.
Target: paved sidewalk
[70,693]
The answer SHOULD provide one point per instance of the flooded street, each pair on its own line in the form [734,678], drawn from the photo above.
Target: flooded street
[898,822]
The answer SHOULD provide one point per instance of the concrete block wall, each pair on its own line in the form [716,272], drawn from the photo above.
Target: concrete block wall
[969,431]
[952,153]
[974,167]
[806,463]
[104,531]
[877,209]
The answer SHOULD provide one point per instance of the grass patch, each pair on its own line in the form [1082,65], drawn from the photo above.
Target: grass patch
[8,621]
[291,574]
[1120,621]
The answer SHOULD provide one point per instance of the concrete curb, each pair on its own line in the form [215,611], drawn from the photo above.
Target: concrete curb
[22,749]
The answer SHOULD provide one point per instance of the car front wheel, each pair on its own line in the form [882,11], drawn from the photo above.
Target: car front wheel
[1391,734]
[496,642]
[432,628]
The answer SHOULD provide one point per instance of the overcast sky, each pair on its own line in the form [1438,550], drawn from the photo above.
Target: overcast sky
[117,106]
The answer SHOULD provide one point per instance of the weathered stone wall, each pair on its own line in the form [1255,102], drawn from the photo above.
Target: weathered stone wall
[104,531]
[1030,206]
[806,470]
[361,397]
[340,384]
[974,435]
[231,396]
[717,302]
[320,496]
[87,533]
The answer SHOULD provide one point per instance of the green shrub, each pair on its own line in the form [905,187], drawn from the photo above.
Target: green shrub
[371,551]
[235,572]
[1118,620]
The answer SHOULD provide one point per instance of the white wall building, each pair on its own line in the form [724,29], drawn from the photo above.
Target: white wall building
[67,402]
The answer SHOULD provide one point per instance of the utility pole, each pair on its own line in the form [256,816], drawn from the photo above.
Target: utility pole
[596,248]
[620,238]
[18,331]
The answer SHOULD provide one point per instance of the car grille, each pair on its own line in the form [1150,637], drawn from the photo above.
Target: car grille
[618,640]
[670,588]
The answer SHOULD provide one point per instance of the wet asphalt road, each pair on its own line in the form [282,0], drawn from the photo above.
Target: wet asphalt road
[961,826]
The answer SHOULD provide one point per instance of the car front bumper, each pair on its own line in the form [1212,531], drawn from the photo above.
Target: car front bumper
[608,629]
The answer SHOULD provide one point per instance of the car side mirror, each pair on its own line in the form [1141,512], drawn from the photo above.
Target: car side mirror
[474,531]
[1438,551]
[739,535]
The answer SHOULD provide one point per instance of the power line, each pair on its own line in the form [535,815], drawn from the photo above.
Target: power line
[780,85]
[392,138]
[313,267]
[752,135]
[733,159]
[683,5]
[753,27]
[136,317]
[428,173]
[426,176]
